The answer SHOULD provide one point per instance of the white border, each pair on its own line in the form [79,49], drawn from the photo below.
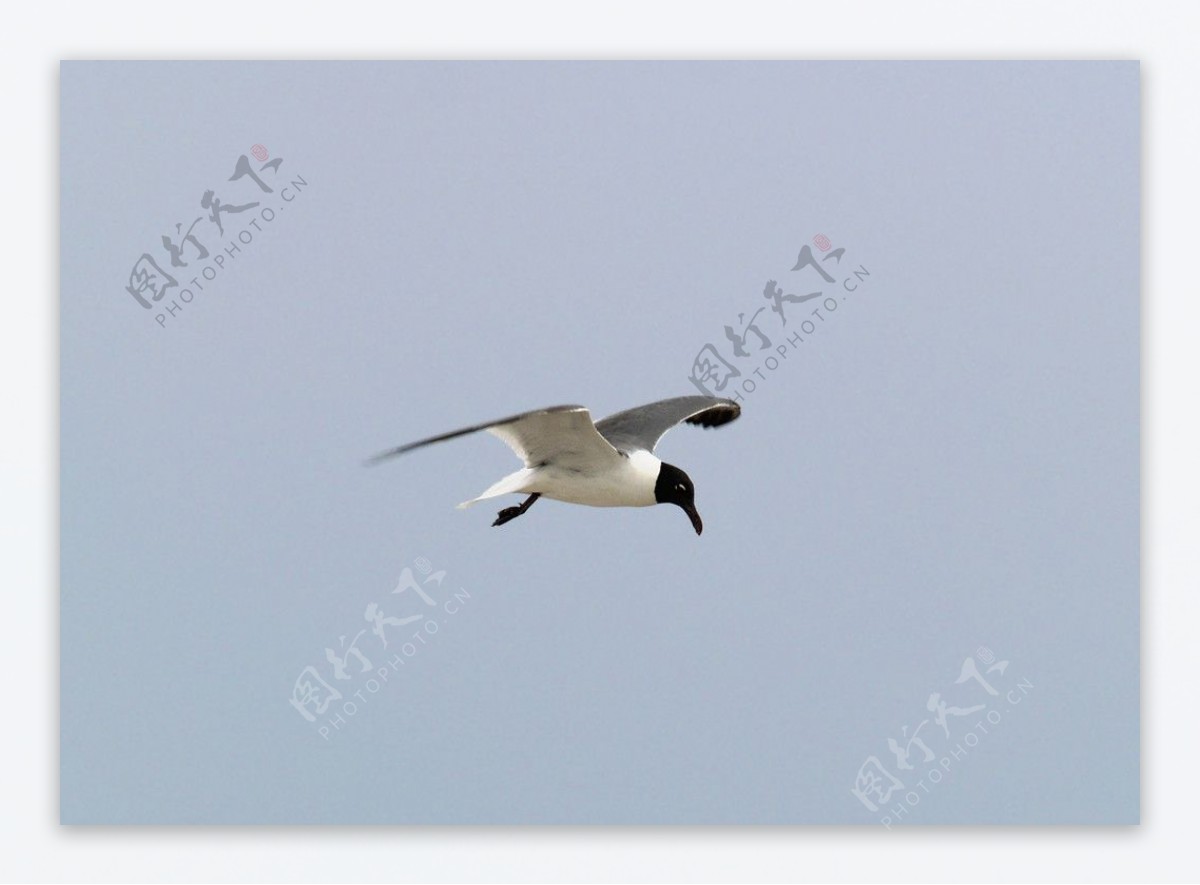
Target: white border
[1162,36]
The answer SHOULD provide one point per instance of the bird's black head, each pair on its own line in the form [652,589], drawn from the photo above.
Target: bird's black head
[675,487]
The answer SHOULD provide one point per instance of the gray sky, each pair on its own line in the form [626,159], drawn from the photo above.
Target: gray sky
[946,465]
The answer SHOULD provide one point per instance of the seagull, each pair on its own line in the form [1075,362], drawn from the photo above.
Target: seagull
[609,463]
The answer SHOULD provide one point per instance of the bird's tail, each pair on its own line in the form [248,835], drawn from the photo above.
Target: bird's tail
[514,482]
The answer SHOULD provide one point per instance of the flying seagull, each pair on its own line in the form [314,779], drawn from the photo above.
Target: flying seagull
[610,463]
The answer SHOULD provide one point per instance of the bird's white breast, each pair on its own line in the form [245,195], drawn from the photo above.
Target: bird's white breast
[627,482]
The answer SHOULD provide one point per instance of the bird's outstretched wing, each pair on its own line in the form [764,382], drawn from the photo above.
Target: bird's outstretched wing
[561,435]
[643,426]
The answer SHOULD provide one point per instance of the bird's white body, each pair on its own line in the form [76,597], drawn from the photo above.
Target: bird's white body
[624,481]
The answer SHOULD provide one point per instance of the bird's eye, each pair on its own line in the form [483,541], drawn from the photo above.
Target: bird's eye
[680,487]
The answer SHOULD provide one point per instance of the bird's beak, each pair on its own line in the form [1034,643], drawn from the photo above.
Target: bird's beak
[697,523]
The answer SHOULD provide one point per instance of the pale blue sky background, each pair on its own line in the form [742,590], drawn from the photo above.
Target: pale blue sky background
[951,461]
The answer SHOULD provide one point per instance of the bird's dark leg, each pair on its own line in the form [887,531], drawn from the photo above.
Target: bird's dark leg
[513,512]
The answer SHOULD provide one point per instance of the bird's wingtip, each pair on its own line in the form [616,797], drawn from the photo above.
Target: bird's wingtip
[721,412]
[385,456]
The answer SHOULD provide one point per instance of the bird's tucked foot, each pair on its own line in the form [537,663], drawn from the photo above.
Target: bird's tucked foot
[510,513]
[507,514]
